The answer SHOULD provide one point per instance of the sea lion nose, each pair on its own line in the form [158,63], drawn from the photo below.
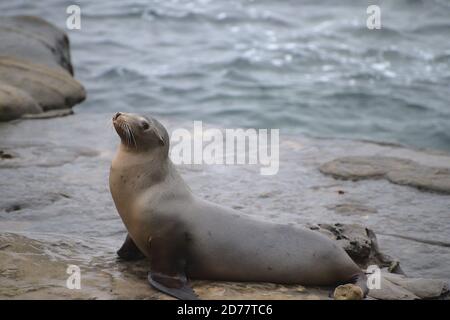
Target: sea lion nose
[117,115]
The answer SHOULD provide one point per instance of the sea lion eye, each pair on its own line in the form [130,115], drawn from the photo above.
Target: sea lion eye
[145,125]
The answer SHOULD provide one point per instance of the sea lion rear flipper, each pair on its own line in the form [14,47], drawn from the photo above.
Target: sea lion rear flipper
[129,251]
[175,286]
[167,269]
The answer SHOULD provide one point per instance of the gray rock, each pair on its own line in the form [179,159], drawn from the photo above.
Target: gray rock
[360,243]
[422,288]
[35,59]
[399,287]
[396,170]
[15,102]
[33,39]
[391,291]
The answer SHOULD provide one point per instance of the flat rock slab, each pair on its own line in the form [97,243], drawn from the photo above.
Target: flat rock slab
[36,74]
[396,170]
[38,269]
[398,287]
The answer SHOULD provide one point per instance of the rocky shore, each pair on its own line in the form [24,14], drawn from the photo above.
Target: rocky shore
[56,209]
[32,269]
[36,269]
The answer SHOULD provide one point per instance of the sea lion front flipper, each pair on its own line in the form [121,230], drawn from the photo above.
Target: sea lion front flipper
[129,251]
[167,269]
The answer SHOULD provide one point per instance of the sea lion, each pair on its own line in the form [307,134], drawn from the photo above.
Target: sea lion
[187,237]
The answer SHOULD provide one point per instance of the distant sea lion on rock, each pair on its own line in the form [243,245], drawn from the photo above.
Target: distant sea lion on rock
[187,237]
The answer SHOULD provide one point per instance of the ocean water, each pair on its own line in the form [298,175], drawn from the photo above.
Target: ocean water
[307,67]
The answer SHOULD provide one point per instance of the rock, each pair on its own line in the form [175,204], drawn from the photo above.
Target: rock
[35,68]
[360,243]
[400,287]
[390,291]
[422,288]
[6,155]
[31,269]
[396,170]
[34,39]
[37,269]
[15,102]
[348,292]
[51,88]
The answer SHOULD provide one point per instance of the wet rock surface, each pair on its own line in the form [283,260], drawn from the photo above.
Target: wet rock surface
[396,170]
[56,210]
[36,74]
[31,269]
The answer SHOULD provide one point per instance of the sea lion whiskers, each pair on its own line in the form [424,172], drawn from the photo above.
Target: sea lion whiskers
[132,137]
[125,132]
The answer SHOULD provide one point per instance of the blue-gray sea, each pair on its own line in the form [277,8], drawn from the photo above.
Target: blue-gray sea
[307,67]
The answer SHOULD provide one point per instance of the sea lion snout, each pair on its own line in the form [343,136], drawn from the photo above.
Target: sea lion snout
[123,127]
[140,132]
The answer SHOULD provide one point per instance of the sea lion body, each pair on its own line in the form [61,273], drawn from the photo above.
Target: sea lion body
[215,243]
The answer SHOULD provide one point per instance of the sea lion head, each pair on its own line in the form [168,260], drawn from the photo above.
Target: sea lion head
[140,133]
